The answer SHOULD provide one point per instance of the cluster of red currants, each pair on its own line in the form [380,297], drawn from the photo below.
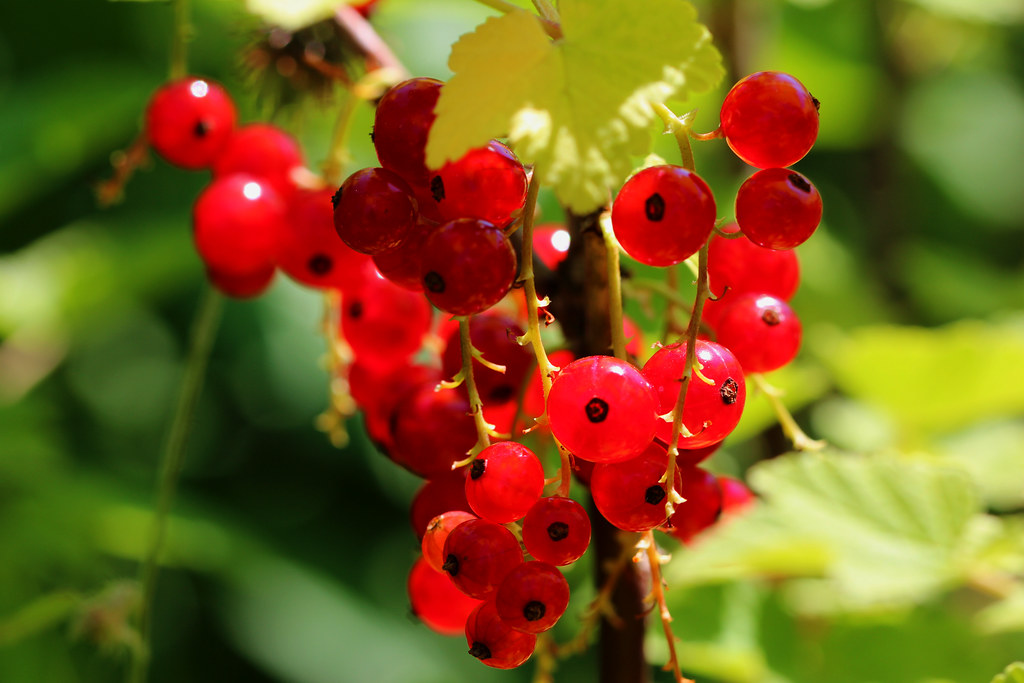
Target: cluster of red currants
[263,209]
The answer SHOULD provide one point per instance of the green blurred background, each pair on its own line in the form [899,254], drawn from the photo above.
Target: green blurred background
[287,557]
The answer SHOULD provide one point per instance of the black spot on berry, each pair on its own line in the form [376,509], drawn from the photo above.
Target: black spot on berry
[200,129]
[476,470]
[654,207]
[597,410]
[654,494]
[730,391]
[433,282]
[336,199]
[770,317]
[320,264]
[451,565]
[799,182]
[534,610]
[817,104]
[355,309]
[480,651]
[558,531]
[373,137]
[437,188]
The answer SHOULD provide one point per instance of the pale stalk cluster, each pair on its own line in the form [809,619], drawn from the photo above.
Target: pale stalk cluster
[484,430]
[338,359]
[657,597]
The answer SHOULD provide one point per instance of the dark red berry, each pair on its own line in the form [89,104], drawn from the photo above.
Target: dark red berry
[374,211]
[401,125]
[504,482]
[494,642]
[189,121]
[532,597]
[468,266]
[778,208]
[478,555]
[487,182]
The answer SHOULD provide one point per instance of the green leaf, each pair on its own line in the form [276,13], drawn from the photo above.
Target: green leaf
[879,531]
[1012,674]
[931,380]
[577,107]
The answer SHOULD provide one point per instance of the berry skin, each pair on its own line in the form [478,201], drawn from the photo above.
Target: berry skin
[436,601]
[494,642]
[703,505]
[556,530]
[444,493]
[504,481]
[488,183]
[402,264]
[769,119]
[432,430]
[736,266]
[242,286]
[710,411]
[478,555]
[551,244]
[602,409]
[778,208]
[374,211]
[236,222]
[189,121]
[310,252]
[401,125]
[379,390]
[468,266]
[264,151]
[436,534]
[533,597]
[493,334]
[630,494]
[383,322]
[663,215]
[761,330]
[736,497]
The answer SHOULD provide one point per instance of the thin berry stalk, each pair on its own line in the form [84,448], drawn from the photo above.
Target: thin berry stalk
[476,407]
[204,331]
[790,428]
[180,37]
[614,288]
[658,597]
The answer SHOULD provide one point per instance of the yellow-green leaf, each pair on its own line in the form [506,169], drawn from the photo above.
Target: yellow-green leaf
[577,107]
[1012,674]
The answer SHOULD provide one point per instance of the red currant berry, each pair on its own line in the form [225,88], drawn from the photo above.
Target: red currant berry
[236,222]
[533,597]
[702,507]
[778,208]
[736,497]
[310,251]
[402,265]
[487,183]
[556,530]
[602,409]
[762,331]
[401,125]
[383,322]
[551,244]
[244,285]
[504,481]
[374,210]
[736,265]
[493,334]
[432,430]
[437,602]
[630,494]
[436,534]
[264,151]
[710,411]
[443,493]
[770,120]
[495,643]
[468,266]
[663,215]
[189,121]
[478,555]
[378,390]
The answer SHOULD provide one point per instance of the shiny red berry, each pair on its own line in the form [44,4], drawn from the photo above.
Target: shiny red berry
[769,119]
[262,150]
[374,211]
[533,597]
[504,482]
[436,534]
[478,555]
[189,121]
[630,494]
[556,530]
[494,642]
[778,208]
[436,601]
[663,215]
[236,222]
[487,182]
[761,330]
[401,125]
[468,266]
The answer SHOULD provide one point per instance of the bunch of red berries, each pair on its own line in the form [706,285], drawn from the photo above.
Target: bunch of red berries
[262,209]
